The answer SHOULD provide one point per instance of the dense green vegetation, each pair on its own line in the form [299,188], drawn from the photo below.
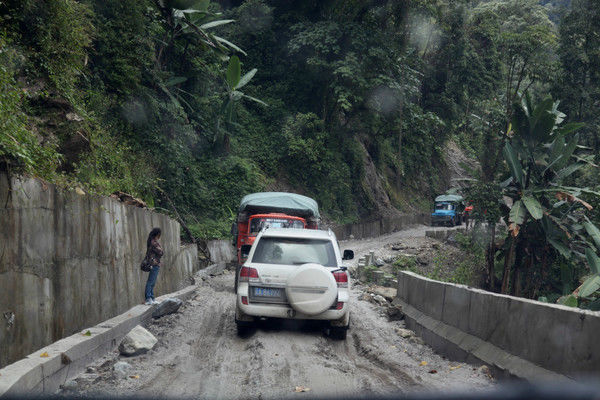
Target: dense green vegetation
[190,104]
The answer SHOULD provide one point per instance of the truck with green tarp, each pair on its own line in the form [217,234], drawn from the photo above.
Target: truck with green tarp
[271,209]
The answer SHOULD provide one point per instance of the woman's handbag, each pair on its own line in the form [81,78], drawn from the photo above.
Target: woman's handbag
[145,265]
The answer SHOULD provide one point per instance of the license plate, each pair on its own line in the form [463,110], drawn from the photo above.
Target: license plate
[267,292]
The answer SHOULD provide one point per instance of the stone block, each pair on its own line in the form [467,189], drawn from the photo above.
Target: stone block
[167,306]
[137,341]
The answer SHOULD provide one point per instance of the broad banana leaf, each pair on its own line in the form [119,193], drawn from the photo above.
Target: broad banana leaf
[567,152]
[533,206]
[590,286]
[513,163]
[562,249]
[593,260]
[228,43]
[218,22]
[569,128]
[566,171]
[517,213]
[246,78]
[543,121]
[593,231]
[234,72]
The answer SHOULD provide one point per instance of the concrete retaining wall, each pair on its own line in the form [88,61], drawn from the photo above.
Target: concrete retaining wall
[35,375]
[68,261]
[525,338]
[380,226]
[221,251]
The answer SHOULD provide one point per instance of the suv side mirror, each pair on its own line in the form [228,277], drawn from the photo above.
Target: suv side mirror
[348,255]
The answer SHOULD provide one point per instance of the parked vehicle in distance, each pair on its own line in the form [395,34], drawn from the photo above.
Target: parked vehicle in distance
[295,274]
[274,210]
[448,210]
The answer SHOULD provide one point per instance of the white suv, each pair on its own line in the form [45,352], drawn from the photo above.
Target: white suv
[294,274]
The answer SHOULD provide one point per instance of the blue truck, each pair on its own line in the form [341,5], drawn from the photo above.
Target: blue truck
[449,210]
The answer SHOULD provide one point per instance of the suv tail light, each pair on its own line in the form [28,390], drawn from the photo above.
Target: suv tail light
[341,277]
[247,273]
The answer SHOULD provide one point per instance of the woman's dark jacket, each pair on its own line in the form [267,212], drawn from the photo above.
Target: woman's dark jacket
[154,253]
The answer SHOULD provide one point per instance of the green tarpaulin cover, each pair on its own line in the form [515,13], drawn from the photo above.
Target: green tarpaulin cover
[284,202]
[452,198]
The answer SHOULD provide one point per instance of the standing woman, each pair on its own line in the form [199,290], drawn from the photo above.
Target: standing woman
[153,254]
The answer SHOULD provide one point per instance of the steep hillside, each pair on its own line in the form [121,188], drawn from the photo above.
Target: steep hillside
[191,104]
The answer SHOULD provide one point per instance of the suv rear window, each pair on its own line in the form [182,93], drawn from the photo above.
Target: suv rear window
[292,251]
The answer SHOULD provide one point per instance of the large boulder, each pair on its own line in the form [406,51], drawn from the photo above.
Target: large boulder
[137,341]
[168,306]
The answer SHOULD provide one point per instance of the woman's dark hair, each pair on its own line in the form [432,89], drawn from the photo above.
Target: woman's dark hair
[153,233]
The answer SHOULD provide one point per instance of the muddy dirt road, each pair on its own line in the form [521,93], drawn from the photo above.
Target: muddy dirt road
[199,355]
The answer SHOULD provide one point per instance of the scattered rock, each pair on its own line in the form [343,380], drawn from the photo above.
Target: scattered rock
[168,306]
[416,340]
[365,297]
[379,262]
[91,370]
[73,117]
[88,377]
[485,370]
[422,260]
[351,237]
[70,385]
[128,199]
[397,248]
[395,313]
[137,341]
[405,333]
[387,292]
[65,359]
[380,300]
[122,369]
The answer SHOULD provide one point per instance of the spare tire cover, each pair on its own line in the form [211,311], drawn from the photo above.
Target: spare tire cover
[311,289]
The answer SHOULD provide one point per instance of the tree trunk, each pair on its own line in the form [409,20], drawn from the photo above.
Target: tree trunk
[509,261]
[516,282]
[490,256]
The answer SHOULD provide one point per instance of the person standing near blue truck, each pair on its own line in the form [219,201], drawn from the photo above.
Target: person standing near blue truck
[449,210]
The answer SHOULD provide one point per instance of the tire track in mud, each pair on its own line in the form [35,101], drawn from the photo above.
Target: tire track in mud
[200,355]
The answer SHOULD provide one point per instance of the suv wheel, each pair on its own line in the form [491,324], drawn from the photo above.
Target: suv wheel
[338,333]
[237,274]
[243,328]
[244,323]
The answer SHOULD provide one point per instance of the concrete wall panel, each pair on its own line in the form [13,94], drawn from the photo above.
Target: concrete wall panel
[70,261]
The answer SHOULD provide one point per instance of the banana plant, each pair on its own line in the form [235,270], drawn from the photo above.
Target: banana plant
[189,20]
[193,18]
[234,82]
[546,215]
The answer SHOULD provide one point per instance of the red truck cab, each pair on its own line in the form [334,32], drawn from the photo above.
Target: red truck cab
[248,229]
